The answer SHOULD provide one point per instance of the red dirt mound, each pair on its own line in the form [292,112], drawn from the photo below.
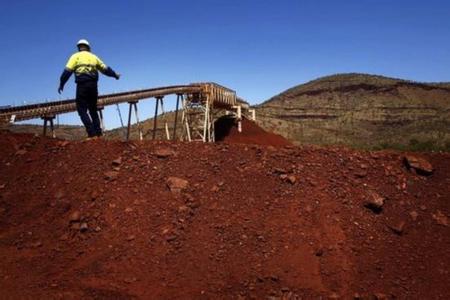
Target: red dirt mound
[227,131]
[160,220]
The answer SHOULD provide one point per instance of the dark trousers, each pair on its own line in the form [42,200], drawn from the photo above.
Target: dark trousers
[86,100]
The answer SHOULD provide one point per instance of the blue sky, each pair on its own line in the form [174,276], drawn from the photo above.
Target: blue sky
[258,48]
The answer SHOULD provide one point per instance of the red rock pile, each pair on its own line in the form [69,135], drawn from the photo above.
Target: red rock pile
[227,131]
[113,220]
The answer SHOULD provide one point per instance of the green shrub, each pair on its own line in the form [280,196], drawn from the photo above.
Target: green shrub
[415,146]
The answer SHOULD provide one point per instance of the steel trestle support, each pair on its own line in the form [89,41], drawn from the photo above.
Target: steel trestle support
[49,120]
[133,104]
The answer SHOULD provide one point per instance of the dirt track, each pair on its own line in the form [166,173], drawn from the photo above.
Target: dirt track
[98,220]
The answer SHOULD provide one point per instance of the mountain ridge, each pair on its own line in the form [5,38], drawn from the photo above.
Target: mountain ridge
[358,78]
[361,110]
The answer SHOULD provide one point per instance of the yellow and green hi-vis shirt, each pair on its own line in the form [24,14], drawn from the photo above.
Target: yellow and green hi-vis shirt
[85,65]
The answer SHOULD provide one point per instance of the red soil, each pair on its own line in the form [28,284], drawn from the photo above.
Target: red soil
[251,134]
[77,222]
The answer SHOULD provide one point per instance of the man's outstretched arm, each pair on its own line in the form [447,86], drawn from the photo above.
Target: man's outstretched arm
[110,72]
[106,70]
[63,79]
[70,66]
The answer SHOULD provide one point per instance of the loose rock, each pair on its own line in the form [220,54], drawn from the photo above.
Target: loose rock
[171,238]
[63,144]
[193,204]
[319,252]
[83,227]
[176,184]
[291,179]
[111,175]
[75,216]
[130,280]
[397,227]
[440,218]
[361,173]
[117,162]
[279,171]
[414,215]
[380,296]
[36,244]
[374,201]
[94,195]
[59,194]
[183,208]
[163,152]
[21,152]
[420,164]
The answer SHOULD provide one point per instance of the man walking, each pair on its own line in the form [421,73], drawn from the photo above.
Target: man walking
[86,66]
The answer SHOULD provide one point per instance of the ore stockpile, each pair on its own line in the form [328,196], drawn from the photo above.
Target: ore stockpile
[229,220]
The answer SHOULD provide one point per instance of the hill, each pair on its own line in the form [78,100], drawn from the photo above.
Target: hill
[363,111]
[161,220]
[67,132]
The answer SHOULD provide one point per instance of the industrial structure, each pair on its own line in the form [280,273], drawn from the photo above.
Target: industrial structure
[201,104]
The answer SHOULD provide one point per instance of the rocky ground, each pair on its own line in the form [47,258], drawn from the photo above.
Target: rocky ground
[161,220]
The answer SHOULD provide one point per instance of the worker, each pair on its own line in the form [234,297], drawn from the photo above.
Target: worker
[86,65]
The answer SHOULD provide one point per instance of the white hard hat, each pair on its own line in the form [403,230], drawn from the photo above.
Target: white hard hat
[83,42]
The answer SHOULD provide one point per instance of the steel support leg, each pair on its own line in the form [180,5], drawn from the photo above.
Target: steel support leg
[52,127]
[212,137]
[239,112]
[185,120]
[48,120]
[239,116]
[45,127]
[253,114]
[133,104]
[206,123]
[137,120]
[129,122]
[100,113]
[179,96]
[156,116]
[166,126]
